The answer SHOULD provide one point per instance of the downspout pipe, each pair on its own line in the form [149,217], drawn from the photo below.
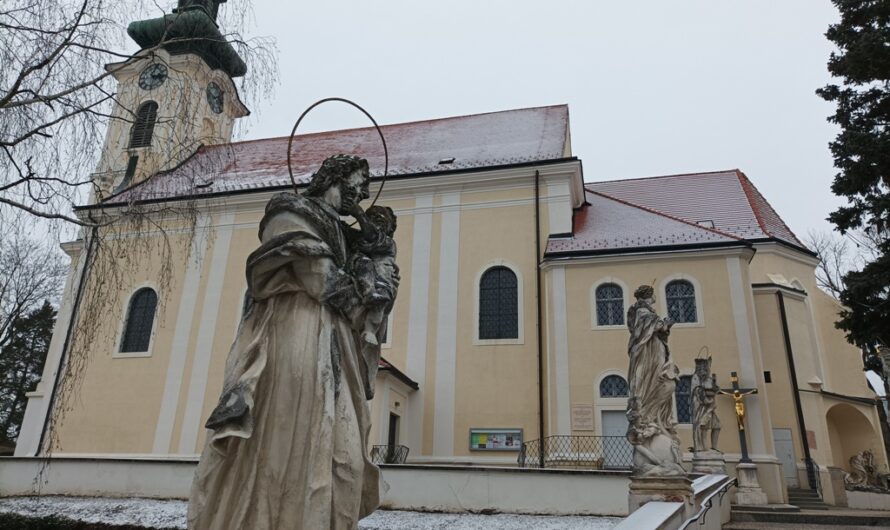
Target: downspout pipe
[63,357]
[539,318]
[808,461]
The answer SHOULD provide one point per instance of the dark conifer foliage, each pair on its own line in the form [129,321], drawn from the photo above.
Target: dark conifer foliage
[21,364]
[862,156]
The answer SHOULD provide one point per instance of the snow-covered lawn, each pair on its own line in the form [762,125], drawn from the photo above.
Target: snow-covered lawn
[153,513]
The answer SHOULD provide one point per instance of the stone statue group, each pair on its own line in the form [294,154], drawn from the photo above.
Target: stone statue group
[653,380]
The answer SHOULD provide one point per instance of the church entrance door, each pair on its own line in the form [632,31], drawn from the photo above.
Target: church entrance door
[616,449]
[785,453]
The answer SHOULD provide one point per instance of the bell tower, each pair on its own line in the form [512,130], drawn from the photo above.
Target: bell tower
[176,94]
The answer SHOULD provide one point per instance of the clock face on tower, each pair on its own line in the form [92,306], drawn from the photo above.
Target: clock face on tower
[153,76]
[215,97]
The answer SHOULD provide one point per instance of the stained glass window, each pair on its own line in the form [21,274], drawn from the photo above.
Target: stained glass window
[680,296]
[498,304]
[140,318]
[144,125]
[684,399]
[609,305]
[613,386]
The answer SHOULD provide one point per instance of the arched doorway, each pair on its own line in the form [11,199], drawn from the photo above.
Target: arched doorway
[849,432]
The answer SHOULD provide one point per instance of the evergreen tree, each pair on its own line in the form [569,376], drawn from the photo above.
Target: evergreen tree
[21,363]
[862,155]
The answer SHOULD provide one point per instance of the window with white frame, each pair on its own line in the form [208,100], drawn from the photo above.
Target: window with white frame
[613,386]
[140,319]
[498,304]
[683,395]
[609,305]
[680,298]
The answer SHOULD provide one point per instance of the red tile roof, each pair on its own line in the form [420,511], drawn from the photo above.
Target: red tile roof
[698,209]
[476,141]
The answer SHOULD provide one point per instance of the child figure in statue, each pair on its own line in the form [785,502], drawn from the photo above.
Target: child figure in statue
[373,263]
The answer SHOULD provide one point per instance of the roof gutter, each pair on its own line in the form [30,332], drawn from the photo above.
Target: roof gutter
[572,254]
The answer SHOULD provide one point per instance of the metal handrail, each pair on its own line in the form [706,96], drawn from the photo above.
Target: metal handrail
[580,452]
[389,454]
[708,503]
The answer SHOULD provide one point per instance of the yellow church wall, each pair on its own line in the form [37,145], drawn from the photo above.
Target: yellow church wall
[496,382]
[843,360]
[594,352]
[118,399]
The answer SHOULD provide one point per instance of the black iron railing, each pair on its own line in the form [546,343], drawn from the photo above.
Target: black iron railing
[389,454]
[579,452]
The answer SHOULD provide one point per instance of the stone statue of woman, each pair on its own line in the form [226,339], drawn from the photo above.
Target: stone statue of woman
[652,380]
[288,441]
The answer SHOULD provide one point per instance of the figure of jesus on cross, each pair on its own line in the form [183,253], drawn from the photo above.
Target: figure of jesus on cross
[738,396]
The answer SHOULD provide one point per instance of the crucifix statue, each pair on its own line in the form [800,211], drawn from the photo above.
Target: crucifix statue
[738,396]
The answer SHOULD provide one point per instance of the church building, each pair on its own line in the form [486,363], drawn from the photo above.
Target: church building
[509,326]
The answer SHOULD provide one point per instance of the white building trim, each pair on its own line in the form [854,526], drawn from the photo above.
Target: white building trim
[446,328]
[626,294]
[603,404]
[747,362]
[179,346]
[122,326]
[418,314]
[661,301]
[520,322]
[561,350]
[191,421]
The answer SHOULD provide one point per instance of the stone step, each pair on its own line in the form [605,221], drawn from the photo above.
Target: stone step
[766,508]
[829,517]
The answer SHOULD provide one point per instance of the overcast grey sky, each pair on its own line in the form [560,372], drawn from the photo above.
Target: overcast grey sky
[654,87]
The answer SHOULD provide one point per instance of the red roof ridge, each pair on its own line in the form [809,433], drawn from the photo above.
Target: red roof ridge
[415,122]
[692,174]
[749,188]
[673,218]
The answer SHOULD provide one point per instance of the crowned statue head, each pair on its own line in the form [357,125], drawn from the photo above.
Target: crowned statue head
[342,182]
[645,293]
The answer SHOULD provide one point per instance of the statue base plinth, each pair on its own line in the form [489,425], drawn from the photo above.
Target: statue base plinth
[664,489]
[748,492]
[709,462]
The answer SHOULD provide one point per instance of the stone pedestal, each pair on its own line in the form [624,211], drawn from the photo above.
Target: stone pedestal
[748,492]
[665,489]
[709,462]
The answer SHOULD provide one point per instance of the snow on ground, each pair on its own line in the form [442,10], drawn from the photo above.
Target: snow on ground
[154,513]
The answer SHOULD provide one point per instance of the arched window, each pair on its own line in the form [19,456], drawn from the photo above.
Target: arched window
[144,126]
[498,304]
[684,399]
[609,305]
[140,318]
[680,295]
[613,386]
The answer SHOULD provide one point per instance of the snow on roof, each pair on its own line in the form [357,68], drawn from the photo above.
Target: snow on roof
[876,382]
[464,142]
[696,209]
[607,224]
[726,199]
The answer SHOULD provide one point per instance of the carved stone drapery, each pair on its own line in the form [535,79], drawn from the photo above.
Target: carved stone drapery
[652,377]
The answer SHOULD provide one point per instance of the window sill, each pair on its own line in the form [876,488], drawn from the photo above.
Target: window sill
[497,342]
[131,355]
[607,328]
[688,325]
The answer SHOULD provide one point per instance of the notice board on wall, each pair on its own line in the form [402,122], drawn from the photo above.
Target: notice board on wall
[495,439]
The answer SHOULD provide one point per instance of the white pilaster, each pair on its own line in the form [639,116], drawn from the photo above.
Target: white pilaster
[748,375]
[561,350]
[179,347]
[446,326]
[418,305]
[37,411]
[191,421]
